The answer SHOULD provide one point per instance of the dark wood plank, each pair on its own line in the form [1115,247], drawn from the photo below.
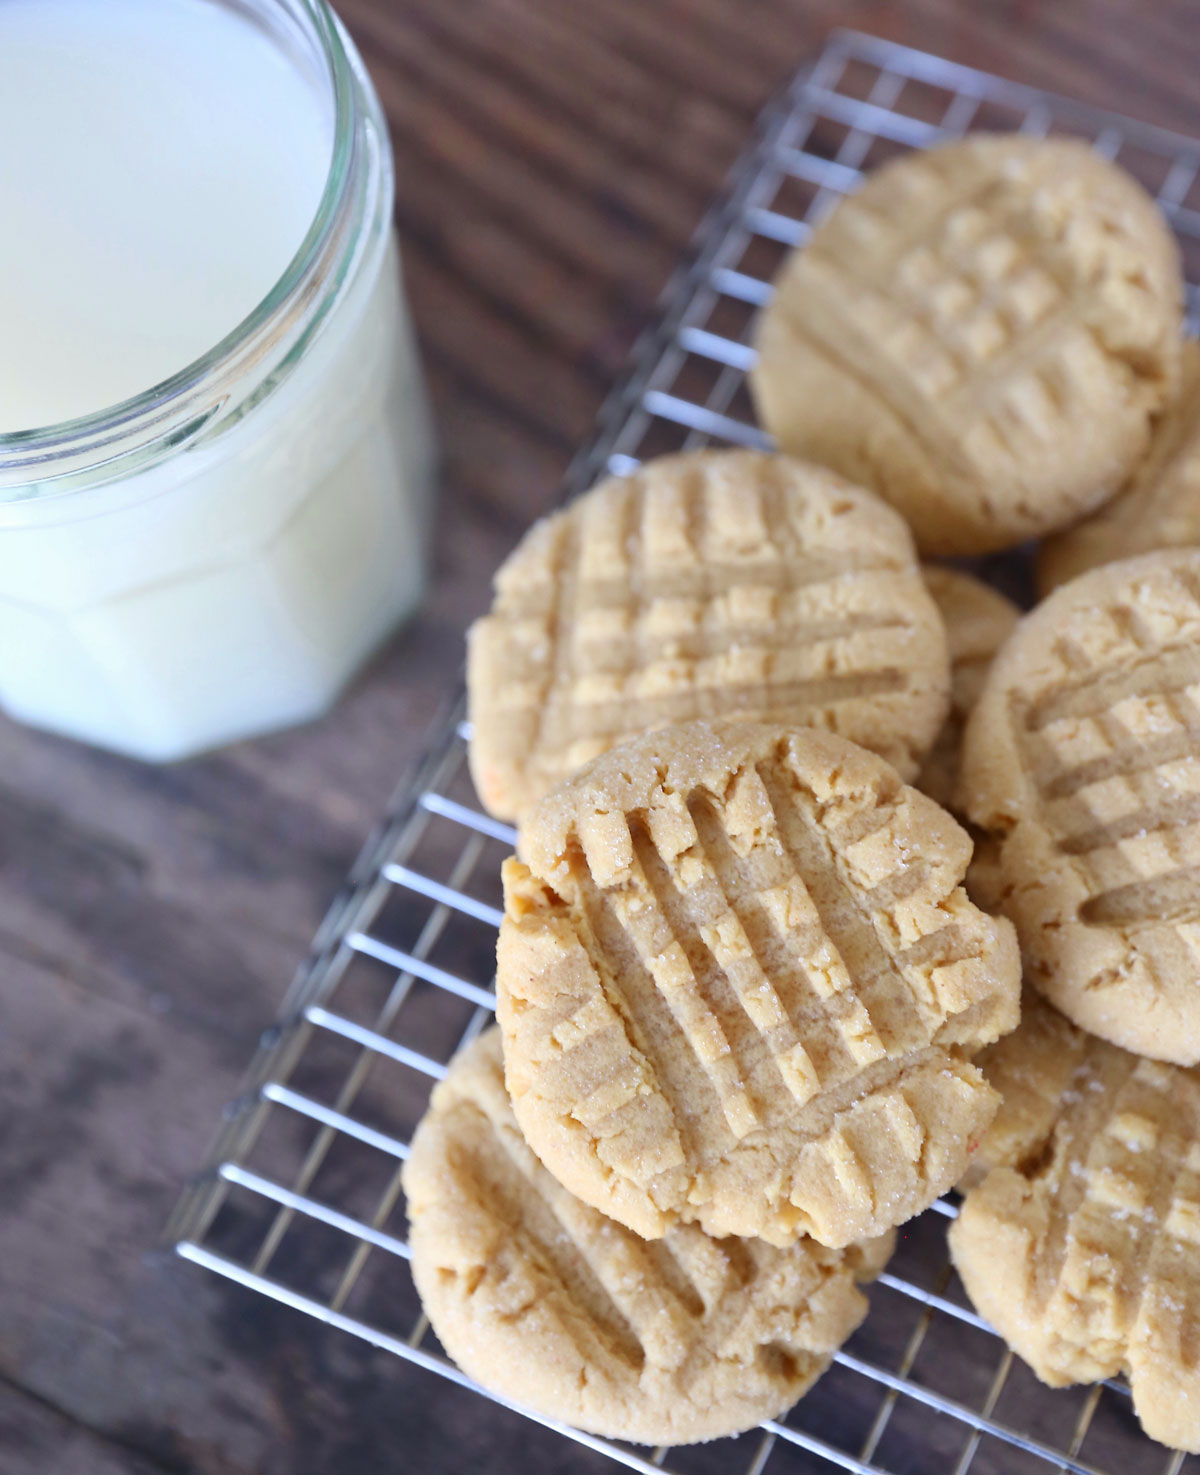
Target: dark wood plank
[552,162]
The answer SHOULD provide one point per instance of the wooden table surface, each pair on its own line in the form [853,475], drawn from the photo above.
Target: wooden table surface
[553,159]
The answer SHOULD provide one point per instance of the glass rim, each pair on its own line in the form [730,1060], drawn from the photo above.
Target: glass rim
[161,403]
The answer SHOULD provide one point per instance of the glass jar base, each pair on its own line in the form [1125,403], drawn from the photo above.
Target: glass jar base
[285,697]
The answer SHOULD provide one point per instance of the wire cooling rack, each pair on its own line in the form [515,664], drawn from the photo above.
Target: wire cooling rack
[302,1201]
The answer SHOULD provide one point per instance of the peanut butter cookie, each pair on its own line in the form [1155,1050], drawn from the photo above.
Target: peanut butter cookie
[1081,1245]
[716,584]
[978,620]
[982,334]
[556,1308]
[1158,508]
[1082,759]
[739,982]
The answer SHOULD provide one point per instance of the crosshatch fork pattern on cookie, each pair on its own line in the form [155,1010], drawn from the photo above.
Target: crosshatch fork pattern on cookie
[766,956]
[1115,774]
[690,590]
[301,1200]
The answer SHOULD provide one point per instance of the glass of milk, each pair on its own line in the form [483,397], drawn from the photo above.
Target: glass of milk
[214,450]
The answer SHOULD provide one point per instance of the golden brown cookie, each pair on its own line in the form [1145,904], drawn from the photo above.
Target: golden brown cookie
[556,1308]
[1030,1068]
[978,621]
[1082,757]
[982,334]
[1082,1244]
[1158,508]
[715,584]
[738,983]
[984,882]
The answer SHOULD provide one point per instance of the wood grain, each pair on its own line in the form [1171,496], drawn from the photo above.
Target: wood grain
[552,161]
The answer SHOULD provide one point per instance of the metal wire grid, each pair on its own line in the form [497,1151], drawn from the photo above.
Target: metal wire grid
[302,1199]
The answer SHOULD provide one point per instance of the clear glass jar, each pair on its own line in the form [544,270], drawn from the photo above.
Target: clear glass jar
[216,557]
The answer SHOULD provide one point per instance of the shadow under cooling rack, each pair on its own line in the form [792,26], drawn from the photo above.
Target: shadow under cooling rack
[302,1201]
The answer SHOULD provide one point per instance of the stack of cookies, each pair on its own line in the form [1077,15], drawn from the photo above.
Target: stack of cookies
[749,1019]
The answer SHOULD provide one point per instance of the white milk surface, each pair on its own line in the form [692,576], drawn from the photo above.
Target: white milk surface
[160,164]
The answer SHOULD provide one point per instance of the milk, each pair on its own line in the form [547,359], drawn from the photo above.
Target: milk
[161,162]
